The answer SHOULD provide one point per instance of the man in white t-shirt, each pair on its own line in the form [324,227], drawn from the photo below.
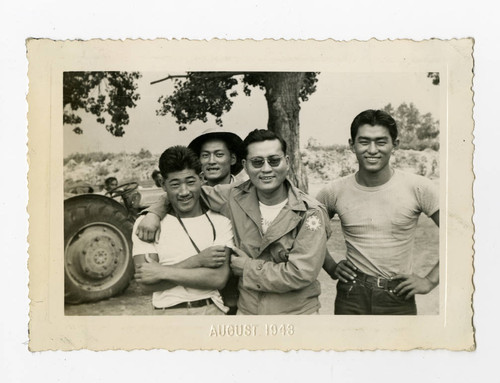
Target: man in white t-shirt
[220,154]
[378,209]
[190,262]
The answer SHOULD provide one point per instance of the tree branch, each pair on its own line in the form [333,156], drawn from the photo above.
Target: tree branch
[200,74]
[168,78]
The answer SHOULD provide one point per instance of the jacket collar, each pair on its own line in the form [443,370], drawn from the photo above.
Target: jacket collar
[295,200]
[287,219]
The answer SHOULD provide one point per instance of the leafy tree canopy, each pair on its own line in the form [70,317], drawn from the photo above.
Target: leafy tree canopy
[198,94]
[435,77]
[415,130]
[100,93]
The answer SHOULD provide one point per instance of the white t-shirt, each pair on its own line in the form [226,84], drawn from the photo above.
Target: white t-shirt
[174,246]
[379,223]
[269,213]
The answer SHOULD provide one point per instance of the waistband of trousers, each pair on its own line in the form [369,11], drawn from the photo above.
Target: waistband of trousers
[377,282]
[187,305]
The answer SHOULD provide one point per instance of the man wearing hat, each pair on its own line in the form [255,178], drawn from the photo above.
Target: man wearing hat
[220,154]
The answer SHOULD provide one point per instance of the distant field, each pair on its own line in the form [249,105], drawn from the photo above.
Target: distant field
[321,164]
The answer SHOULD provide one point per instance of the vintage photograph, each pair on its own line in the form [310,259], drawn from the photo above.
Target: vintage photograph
[360,182]
[250,195]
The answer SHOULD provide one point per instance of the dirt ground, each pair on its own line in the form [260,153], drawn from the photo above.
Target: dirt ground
[134,302]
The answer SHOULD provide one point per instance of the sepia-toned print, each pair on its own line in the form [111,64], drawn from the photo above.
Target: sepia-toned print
[253,204]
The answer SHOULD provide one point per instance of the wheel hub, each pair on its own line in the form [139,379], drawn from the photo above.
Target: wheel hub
[100,257]
[95,252]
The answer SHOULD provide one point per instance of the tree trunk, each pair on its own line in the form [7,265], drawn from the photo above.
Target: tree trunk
[282,95]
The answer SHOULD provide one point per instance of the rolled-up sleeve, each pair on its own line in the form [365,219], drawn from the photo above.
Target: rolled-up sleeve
[304,263]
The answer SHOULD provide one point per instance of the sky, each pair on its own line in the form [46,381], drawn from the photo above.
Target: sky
[326,116]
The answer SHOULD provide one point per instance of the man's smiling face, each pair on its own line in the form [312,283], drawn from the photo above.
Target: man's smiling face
[373,146]
[183,188]
[266,178]
[216,161]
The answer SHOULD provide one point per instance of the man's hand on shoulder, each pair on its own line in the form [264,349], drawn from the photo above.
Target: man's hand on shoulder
[412,284]
[149,228]
[212,257]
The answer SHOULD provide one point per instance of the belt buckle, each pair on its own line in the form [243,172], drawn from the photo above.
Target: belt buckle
[378,283]
[188,305]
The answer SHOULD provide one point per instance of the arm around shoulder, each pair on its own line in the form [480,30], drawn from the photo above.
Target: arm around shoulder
[149,228]
[160,207]
[216,197]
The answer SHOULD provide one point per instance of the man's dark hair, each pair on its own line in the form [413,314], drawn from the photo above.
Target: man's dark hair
[108,180]
[374,117]
[178,158]
[154,176]
[155,173]
[260,135]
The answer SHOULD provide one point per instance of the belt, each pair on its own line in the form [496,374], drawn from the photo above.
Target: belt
[187,305]
[381,283]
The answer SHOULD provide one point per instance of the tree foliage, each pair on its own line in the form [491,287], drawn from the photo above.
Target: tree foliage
[100,93]
[199,94]
[435,77]
[415,131]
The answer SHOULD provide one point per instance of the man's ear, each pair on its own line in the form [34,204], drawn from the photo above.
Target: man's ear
[244,163]
[395,144]
[233,159]
[351,144]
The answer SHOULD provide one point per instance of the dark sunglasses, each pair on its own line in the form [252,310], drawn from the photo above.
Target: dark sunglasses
[258,162]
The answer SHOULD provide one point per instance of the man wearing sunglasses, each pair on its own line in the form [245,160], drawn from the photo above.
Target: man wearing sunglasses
[280,232]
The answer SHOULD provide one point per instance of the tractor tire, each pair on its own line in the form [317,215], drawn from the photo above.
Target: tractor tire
[98,260]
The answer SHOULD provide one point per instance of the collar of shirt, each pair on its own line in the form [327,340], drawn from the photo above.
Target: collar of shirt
[295,200]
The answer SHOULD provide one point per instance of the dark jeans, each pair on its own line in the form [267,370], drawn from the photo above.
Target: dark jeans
[362,298]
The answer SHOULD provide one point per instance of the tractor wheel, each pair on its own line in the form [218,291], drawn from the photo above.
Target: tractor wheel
[97,248]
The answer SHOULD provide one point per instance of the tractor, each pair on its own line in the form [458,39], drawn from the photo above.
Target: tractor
[98,260]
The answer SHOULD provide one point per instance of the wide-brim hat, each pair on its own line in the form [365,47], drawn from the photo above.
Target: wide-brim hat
[233,141]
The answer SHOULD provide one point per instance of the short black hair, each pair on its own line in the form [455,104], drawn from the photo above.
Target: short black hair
[108,180]
[178,158]
[374,117]
[260,135]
